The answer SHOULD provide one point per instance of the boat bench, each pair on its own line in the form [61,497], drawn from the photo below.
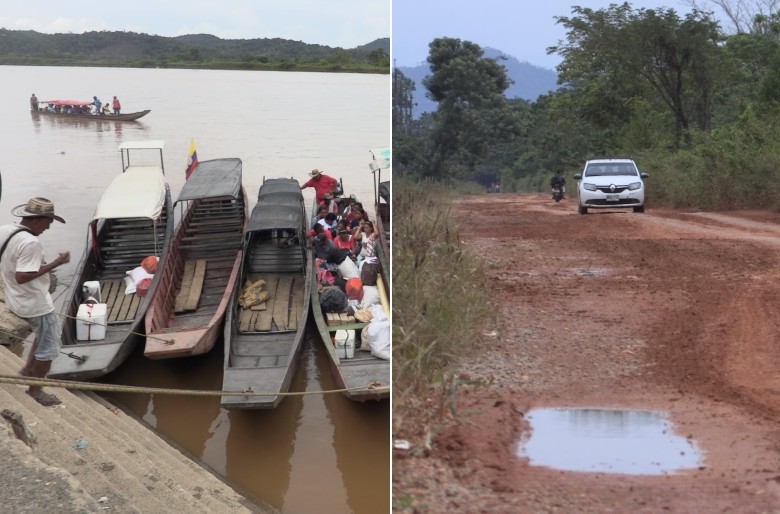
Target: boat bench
[191,286]
[122,307]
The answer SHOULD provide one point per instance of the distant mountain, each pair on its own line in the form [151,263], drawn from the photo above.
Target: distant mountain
[530,81]
[204,50]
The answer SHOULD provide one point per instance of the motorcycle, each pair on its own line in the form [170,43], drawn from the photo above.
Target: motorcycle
[557,194]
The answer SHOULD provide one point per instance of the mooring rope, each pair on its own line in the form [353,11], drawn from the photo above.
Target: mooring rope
[117,388]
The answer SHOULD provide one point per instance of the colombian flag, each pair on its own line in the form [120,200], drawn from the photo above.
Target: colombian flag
[192,160]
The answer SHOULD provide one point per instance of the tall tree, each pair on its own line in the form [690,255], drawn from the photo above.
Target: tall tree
[618,52]
[403,103]
[473,113]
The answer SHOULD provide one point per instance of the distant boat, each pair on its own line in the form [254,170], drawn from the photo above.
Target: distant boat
[79,104]
[201,270]
[133,220]
[263,341]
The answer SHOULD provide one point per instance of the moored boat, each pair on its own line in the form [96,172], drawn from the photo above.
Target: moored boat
[201,269]
[357,369]
[266,320]
[79,110]
[132,221]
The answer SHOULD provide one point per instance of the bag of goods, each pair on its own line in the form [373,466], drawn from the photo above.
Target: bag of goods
[253,294]
[369,271]
[348,269]
[150,263]
[354,289]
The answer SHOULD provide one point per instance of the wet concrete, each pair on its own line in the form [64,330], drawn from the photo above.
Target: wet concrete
[633,442]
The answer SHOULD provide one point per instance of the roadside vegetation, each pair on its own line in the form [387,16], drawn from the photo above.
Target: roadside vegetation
[440,306]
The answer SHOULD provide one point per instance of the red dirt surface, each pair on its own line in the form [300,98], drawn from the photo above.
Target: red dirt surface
[666,310]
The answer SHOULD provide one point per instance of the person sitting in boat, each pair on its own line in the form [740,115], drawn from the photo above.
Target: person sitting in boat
[321,241]
[321,183]
[321,212]
[116,105]
[345,241]
[97,103]
[50,108]
[366,239]
[329,221]
[329,203]
[106,109]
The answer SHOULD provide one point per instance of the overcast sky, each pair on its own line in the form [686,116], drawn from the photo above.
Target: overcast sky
[335,23]
[522,29]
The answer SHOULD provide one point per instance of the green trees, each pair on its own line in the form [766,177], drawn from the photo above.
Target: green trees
[649,54]
[473,113]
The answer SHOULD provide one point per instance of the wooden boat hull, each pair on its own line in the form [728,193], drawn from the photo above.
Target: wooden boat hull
[211,231]
[130,116]
[262,347]
[116,253]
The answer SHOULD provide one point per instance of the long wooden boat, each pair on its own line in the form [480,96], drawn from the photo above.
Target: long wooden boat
[363,376]
[133,220]
[201,270]
[263,342]
[62,105]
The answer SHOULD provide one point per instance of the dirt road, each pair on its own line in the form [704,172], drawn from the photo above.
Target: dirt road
[667,310]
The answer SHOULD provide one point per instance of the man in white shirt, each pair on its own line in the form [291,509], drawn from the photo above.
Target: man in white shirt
[26,278]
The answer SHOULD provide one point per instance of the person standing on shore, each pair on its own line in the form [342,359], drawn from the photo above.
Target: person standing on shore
[34,103]
[27,280]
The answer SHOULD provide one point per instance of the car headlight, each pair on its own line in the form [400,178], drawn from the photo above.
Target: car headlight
[589,187]
[634,186]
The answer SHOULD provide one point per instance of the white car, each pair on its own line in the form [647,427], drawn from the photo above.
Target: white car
[611,183]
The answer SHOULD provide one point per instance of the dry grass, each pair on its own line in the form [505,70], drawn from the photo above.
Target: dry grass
[440,305]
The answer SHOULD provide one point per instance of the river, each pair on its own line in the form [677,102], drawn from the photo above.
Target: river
[318,453]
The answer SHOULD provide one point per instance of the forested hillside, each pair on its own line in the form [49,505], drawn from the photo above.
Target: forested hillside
[696,107]
[130,49]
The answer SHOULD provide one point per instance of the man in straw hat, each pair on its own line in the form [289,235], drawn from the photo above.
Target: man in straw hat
[322,184]
[26,278]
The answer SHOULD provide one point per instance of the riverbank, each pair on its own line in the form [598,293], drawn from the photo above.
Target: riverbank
[86,455]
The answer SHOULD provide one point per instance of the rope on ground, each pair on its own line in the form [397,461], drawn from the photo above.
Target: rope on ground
[91,386]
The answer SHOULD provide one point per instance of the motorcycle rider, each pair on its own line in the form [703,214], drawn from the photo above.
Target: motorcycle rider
[559,181]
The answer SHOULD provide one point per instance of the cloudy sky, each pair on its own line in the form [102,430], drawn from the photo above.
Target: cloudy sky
[522,29]
[336,23]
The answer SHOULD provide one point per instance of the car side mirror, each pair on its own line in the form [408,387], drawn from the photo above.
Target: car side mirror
[644,175]
[578,176]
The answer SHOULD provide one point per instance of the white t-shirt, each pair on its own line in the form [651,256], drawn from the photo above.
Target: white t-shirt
[24,253]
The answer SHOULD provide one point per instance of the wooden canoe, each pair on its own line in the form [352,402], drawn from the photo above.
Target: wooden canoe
[133,220]
[201,270]
[263,341]
[364,376]
[130,116]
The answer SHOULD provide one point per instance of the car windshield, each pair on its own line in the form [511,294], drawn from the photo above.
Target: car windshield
[606,168]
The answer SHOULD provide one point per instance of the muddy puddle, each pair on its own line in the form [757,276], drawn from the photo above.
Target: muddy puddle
[633,442]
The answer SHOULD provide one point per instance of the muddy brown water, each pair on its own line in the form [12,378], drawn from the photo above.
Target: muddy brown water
[314,446]
[312,454]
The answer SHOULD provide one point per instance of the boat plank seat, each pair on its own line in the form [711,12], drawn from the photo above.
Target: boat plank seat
[339,318]
[122,307]
[191,286]
[280,312]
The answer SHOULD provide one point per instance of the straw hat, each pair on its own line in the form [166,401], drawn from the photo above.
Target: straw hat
[315,172]
[37,206]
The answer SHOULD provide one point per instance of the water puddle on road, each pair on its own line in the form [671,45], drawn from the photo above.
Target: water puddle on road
[630,442]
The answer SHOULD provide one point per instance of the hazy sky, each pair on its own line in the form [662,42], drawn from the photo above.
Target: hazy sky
[523,29]
[336,23]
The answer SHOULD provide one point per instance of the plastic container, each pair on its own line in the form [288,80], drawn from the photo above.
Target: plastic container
[91,322]
[345,344]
